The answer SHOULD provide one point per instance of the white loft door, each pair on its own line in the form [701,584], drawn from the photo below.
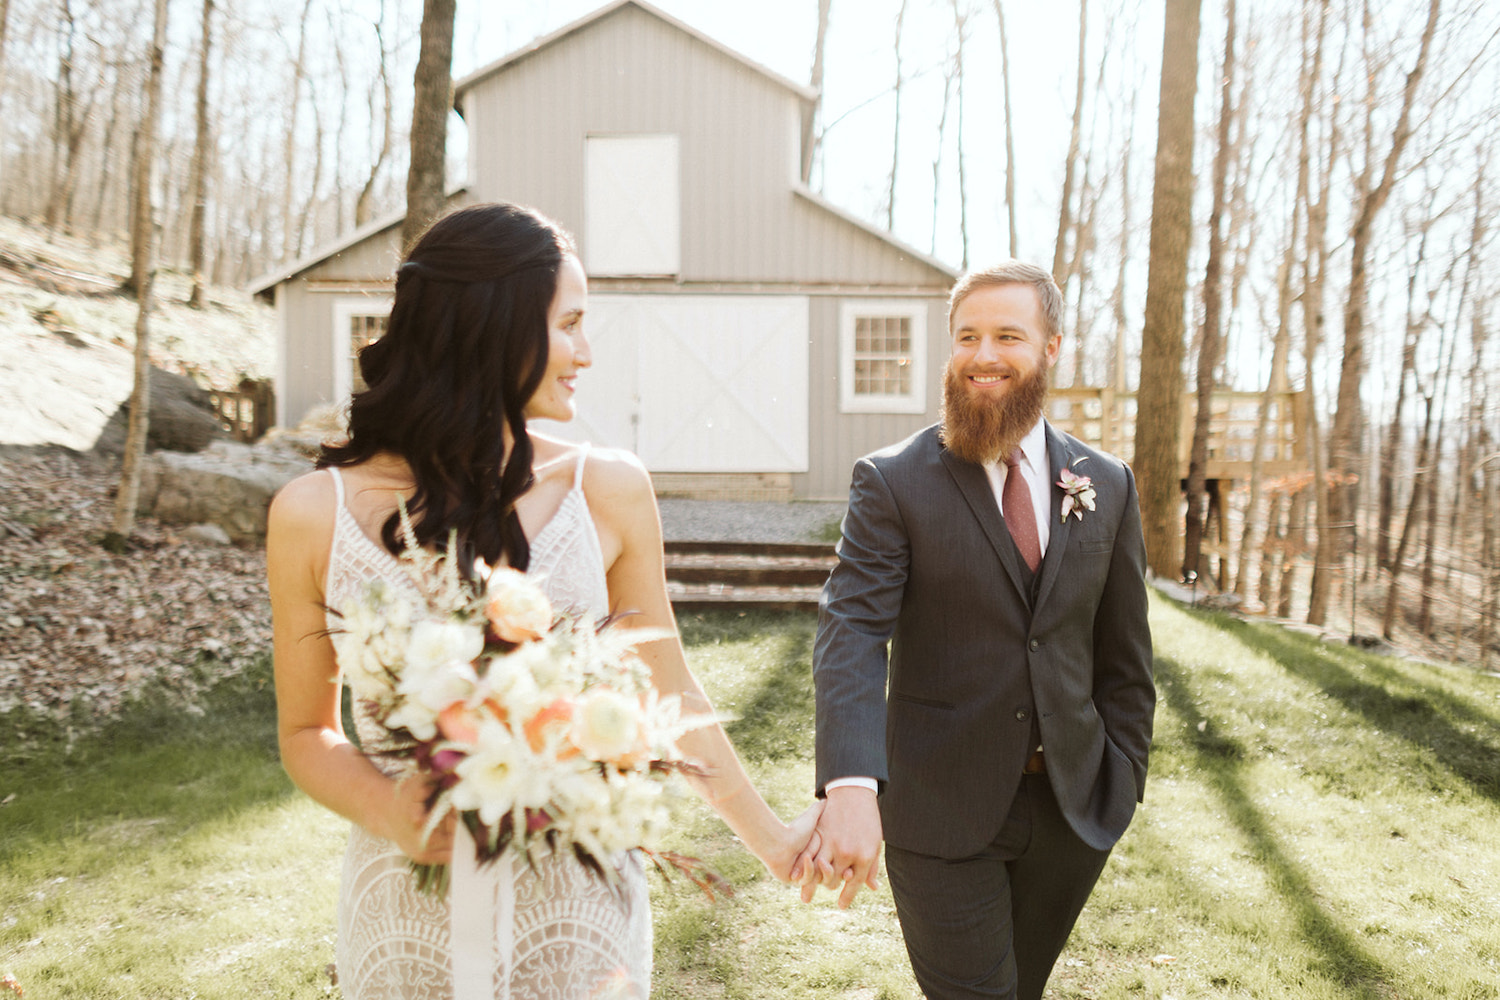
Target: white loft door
[698,383]
[632,205]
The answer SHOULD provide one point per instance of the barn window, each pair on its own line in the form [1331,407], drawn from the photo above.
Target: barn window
[883,357]
[632,205]
[358,321]
[364,330]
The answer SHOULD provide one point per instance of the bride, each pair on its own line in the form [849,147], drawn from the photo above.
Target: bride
[486,332]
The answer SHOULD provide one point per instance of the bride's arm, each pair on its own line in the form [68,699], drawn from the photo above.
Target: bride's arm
[314,749]
[624,508]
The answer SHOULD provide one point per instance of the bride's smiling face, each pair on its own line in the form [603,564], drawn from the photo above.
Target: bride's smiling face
[567,347]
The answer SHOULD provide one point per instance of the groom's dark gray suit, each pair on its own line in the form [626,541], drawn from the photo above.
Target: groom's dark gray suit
[985,657]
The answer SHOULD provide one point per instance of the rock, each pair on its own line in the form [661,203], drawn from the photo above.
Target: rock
[228,484]
[210,533]
[182,418]
[1228,601]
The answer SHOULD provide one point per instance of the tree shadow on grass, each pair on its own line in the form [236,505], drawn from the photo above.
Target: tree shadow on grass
[1218,760]
[1424,719]
[164,763]
[775,718]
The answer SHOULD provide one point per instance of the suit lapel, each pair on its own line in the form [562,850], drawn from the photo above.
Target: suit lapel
[975,487]
[1059,456]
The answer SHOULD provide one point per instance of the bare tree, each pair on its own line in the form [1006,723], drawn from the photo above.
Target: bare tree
[1010,141]
[890,198]
[293,114]
[429,120]
[1213,297]
[364,204]
[960,25]
[1344,438]
[4,28]
[897,86]
[1314,274]
[937,150]
[198,174]
[74,111]
[810,136]
[143,252]
[1416,322]
[1070,165]
[1160,398]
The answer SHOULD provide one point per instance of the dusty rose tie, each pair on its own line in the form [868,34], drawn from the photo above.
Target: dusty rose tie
[1020,518]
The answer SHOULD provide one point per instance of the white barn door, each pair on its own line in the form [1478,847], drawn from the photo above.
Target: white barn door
[698,383]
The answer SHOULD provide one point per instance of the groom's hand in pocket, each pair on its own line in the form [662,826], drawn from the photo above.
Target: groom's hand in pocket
[849,855]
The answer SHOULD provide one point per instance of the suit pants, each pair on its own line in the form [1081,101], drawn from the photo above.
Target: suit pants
[992,925]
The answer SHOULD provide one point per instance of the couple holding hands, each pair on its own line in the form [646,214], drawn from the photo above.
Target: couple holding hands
[982,662]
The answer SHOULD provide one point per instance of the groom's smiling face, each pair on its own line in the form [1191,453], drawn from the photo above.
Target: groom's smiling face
[995,381]
[999,339]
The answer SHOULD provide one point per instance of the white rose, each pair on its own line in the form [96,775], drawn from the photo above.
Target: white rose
[432,643]
[607,725]
[499,776]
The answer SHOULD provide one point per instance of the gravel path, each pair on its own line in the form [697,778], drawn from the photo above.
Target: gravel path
[750,521]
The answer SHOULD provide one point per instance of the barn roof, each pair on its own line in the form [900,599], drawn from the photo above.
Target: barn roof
[801,90]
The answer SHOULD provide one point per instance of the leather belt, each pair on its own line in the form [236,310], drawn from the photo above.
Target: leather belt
[1035,764]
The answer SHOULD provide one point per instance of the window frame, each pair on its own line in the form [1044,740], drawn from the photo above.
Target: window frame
[345,309]
[912,310]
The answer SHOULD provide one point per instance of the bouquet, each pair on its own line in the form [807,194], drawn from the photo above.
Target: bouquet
[542,730]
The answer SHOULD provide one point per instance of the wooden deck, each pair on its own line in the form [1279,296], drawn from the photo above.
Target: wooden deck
[1105,419]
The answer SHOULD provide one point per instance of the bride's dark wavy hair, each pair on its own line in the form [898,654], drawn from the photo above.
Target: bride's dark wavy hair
[463,352]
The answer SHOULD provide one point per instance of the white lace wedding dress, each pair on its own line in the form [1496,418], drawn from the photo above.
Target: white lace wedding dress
[556,932]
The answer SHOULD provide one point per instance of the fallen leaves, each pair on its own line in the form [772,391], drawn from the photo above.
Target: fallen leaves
[78,625]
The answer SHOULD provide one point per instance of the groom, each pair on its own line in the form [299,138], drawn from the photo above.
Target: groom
[1003,750]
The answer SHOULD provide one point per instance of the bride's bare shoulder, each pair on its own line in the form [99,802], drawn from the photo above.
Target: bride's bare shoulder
[309,496]
[614,473]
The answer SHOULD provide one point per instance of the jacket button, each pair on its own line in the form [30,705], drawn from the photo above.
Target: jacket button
[1022,715]
[1035,644]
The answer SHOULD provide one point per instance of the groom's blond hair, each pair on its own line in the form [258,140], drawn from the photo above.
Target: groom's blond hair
[1013,272]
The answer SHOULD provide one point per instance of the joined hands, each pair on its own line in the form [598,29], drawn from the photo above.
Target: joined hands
[843,854]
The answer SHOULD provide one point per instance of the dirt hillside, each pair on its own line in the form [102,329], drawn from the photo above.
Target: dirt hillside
[81,629]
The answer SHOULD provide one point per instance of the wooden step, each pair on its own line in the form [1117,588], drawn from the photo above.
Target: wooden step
[766,576]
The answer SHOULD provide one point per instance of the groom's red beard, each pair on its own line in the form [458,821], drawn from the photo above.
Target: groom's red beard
[981,430]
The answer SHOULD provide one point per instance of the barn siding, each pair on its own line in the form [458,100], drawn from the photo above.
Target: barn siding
[838,439]
[742,218]
[307,315]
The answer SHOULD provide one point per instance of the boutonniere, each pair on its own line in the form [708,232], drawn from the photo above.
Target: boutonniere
[1078,492]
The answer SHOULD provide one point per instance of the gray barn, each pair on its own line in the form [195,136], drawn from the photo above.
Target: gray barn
[750,339]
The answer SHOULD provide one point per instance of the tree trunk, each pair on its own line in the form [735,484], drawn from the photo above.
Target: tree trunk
[4,25]
[1075,140]
[1415,323]
[890,199]
[1160,399]
[198,173]
[1297,540]
[364,204]
[963,189]
[1213,297]
[289,156]
[1344,439]
[1419,495]
[1314,271]
[810,137]
[937,154]
[1010,142]
[429,121]
[143,249]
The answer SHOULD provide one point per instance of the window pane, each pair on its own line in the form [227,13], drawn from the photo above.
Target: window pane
[363,331]
[882,356]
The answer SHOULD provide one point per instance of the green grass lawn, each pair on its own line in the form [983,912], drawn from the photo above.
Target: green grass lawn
[1319,823]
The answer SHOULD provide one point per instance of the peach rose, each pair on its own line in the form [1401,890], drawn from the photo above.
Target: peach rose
[516,608]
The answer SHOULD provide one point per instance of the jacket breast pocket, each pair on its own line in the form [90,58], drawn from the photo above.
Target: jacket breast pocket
[1096,544]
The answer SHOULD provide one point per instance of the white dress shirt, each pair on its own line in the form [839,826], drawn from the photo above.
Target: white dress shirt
[1037,472]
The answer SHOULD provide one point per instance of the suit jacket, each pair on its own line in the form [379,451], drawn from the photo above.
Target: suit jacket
[977,658]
